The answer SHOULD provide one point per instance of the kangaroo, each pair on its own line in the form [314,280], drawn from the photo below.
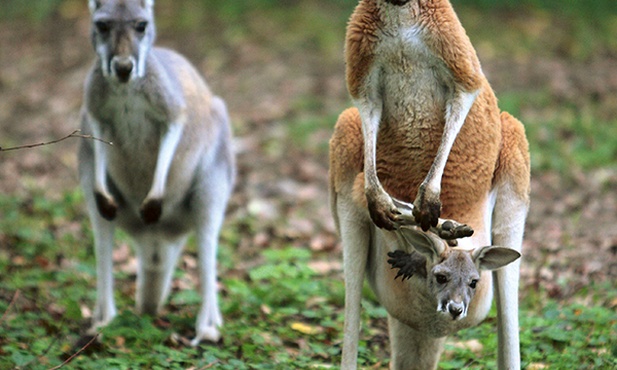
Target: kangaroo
[437,299]
[425,140]
[170,170]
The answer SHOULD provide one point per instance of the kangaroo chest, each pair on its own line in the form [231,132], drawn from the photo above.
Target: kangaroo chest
[415,84]
[131,123]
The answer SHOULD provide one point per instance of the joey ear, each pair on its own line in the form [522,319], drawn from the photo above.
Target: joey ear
[429,246]
[94,5]
[493,258]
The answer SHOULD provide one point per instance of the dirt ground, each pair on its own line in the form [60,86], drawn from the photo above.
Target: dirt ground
[571,237]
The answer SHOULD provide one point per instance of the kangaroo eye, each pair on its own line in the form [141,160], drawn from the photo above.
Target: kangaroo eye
[141,26]
[102,27]
[441,279]
[473,284]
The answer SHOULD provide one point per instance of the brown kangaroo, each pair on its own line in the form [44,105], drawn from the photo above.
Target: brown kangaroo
[426,140]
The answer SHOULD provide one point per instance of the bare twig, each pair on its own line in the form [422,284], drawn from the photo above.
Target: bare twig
[13,300]
[45,352]
[75,133]
[76,353]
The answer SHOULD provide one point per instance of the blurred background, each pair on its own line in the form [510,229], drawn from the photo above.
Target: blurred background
[279,65]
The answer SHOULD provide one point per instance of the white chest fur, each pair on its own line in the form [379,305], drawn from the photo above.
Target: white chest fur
[414,82]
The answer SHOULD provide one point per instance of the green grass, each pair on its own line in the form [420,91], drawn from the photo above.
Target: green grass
[280,314]
[560,336]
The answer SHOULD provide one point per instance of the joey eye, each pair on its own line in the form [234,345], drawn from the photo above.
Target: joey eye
[441,279]
[141,26]
[102,27]
[473,283]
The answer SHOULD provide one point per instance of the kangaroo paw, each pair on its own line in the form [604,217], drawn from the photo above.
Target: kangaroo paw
[151,210]
[384,213]
[450,230]
[106,205]
[426,210]
[446,229]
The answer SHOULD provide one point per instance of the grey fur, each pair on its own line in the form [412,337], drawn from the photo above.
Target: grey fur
[170,170]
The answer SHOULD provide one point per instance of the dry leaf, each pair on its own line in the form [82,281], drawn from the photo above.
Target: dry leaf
[537,366]
[305,328]
[472,345]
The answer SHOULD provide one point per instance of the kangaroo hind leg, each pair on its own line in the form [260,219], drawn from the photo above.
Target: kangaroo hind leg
[511,195]
[210,205]
[356,238]
[103,230]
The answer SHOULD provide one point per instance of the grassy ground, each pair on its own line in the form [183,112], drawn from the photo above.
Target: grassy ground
[284,312]
[279,65]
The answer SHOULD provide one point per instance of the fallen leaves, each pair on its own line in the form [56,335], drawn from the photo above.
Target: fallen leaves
[537,366]
[324,267]
[472,345]
[306,329]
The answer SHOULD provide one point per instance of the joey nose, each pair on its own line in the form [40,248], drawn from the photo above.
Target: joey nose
[455,309]
[123,69]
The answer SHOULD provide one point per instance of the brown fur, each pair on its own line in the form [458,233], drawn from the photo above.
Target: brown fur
[484,151]
[448,39]
[476,150]
[489,155]
[514,161]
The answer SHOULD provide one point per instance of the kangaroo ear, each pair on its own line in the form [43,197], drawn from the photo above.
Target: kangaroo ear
[493,258]
[94,5]
[147,3]
[426,244]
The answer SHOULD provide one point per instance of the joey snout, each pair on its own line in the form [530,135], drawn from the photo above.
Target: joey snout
[151,210]
[455,309]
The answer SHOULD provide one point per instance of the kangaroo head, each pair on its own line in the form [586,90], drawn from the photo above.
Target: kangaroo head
[452,273]
[122,34]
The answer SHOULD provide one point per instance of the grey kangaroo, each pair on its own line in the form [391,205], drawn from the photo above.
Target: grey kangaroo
[170,170]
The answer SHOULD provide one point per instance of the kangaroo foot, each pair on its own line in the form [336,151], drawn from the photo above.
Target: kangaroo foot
[409,264]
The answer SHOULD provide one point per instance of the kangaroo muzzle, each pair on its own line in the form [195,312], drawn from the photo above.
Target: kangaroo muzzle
[123,68]
[457,310]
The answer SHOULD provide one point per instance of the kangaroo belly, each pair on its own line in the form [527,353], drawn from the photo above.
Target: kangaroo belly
[416,87]
[409,137]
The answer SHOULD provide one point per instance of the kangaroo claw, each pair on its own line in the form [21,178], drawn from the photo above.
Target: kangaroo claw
[106,205]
